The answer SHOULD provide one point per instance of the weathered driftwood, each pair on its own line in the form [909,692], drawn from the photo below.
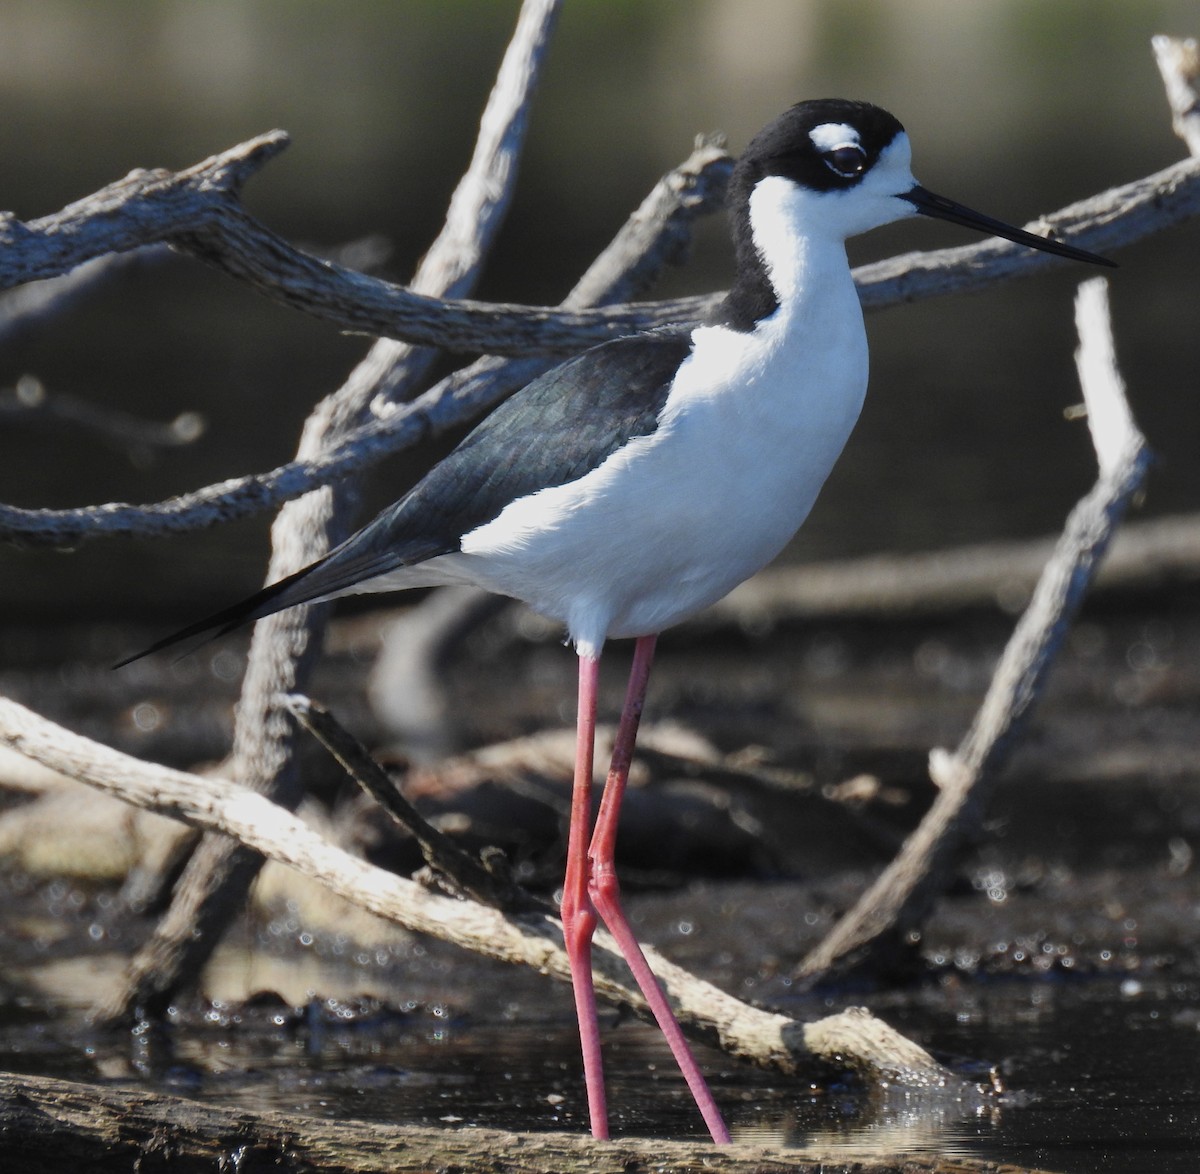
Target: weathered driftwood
[214,883]
[47,1126]
[198,211]
[901,896]
[151,206]
[852,1038]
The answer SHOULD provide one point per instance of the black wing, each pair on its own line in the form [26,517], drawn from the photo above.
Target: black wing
[551,432]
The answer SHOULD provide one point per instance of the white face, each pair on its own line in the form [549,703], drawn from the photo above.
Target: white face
[784,211]
[787,219]
[892,174]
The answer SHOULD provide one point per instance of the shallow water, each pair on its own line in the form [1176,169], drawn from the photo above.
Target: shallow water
[1097,1054]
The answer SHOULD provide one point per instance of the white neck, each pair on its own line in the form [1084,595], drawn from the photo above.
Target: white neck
[808,269]
[801,263]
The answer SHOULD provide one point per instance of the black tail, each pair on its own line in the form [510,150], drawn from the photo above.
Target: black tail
[276,597]
[372,552]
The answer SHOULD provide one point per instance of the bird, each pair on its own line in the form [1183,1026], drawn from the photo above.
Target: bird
[639,482]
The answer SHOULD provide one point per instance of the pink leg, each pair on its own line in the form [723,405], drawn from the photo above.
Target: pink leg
[606,897]
[578,912]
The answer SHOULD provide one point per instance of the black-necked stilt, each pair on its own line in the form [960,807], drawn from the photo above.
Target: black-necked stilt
[638,483]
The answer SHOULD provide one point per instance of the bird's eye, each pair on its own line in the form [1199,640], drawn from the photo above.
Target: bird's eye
[847,160]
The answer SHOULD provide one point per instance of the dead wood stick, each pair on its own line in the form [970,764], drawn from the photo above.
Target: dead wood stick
[654,236]
[851,1038]
[49,1125]
[199,211]
[458,868]
[284,647]
[902,894]
[132,210]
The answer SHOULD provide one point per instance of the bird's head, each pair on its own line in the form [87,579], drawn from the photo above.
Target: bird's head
[835,168]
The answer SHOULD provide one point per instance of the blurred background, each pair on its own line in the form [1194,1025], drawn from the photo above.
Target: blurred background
[1014,107]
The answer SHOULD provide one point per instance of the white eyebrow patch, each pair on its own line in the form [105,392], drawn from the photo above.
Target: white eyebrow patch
[829,135]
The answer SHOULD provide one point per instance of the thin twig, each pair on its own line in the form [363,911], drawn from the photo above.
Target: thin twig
[900,897]
[29,401]
[460,869]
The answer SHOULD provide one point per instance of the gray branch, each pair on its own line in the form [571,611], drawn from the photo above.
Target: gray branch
[1118,217]
[655,235]
[199,211]
[902,894]
[768,1039]
[283,647]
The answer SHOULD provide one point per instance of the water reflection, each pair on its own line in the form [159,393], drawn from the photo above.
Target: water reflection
[1103,1068]
[881,1125]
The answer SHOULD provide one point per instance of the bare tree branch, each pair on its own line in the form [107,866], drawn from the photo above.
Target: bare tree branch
[655,235]
[903,893]
[160,205]
[900,897]
[283,647]
[198,211]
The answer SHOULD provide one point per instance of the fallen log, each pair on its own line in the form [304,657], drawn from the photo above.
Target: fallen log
[47,1126]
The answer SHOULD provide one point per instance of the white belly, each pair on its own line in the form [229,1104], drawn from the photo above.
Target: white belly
[677,519]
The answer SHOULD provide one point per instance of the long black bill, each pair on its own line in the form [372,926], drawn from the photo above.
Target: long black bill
[929,204]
